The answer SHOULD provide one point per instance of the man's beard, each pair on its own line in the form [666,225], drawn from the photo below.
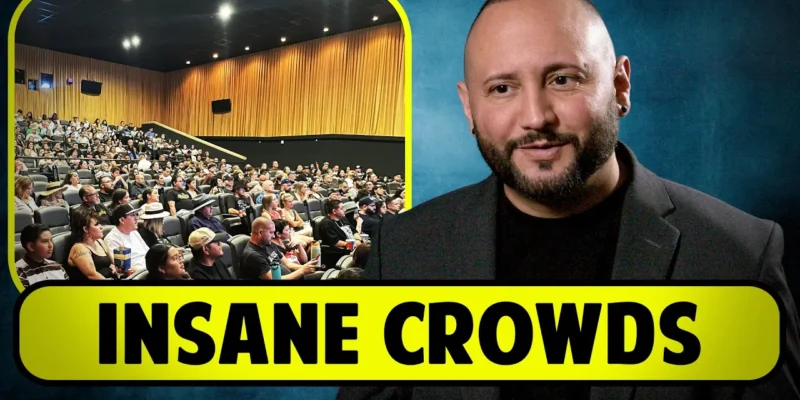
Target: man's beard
[568,188]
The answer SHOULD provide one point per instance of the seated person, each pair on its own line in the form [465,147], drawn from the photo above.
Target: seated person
[89,256]
[118,198]
[106,189]
[334,230]
[23,195]
[292,249]
[367,214]
[350,274]
[165,263]
[361,255]
[206,257]
[53,196]
[178,198]
[138,187]
[36,265]
[151,228]
[262,260]
[91,200]
[204,217]
[125,234]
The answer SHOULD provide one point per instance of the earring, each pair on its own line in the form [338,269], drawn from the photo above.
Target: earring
[624,109]
[474,132]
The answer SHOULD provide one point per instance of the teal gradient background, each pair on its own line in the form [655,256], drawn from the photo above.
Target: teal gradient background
[715,106]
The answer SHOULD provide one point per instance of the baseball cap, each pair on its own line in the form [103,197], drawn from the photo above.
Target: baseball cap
[366,201]
[201,237]
[286,181]
[121,212]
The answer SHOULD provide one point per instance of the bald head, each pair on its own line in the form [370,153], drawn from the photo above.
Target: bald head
[263,231]
[578,19]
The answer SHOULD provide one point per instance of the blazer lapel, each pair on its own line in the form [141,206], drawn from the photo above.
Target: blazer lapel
[646,244]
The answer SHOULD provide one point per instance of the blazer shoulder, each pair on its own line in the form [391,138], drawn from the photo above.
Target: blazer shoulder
[445,203]
[715,224]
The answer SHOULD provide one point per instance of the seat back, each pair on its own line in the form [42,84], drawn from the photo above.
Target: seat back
[226,201]
[107,229]
[301,209]
[139,275]
[39,177]
[314,208]
[185,221]
[239,242]
[136,203]
[21,220]
[19,251]
[39,186]
[314,224]
[229,258]
[205,189]
[56,218]
[60,250]
[72,198]
[173,232]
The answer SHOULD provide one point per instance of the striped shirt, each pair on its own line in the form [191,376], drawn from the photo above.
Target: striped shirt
[31,272]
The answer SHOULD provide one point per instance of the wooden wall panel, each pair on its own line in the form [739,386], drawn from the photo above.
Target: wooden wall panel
[131,94]
[350,83]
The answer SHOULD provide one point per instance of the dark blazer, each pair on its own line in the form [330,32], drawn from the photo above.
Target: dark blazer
[667,231]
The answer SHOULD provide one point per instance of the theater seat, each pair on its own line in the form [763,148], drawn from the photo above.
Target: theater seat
[19,251]
[239,242]
[107,229]
[39,186]
[330,275]
[346,260]
[56,218]
[173,232]
[72,198]
[21,220]
[229,258]
[60,250]
[301,209]
[139,275]
[314,208]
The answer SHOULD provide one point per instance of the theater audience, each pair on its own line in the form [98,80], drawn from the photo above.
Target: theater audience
[191,188]
[334,231]
[125,235]
[90,199]
[261,260]
[36,266]
[106,189]
[23,195]
[89,257]
[151,224]
[314,192]
[361,255]
[206,257]
[291,248]
[150,195]
[366,211]
[165,263]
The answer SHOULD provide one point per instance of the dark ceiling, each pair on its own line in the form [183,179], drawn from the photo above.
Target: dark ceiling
[174,31]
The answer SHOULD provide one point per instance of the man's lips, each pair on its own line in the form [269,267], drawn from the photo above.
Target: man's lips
[541,151]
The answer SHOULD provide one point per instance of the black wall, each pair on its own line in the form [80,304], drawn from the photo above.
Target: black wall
[386,155]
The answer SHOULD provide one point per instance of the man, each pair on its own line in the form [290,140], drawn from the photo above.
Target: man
[90,199]
[334,230]
[178,198]
[543,94]
[144,164]
[119,180]
[262,260]
[366,211]
[106,189]
[286,186]
[227,186]
[138,187]
[275,167]
[204,218]
[305,174]
[124,234]
[36,265]
[206,262]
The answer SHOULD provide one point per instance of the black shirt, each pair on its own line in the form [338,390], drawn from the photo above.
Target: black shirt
[331,232]
[216,272]
[182,199]
[580,247]
[105,197]
[257,261]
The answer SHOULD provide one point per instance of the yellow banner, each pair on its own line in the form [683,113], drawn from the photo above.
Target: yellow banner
[339,333]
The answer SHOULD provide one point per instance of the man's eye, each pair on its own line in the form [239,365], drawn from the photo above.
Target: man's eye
[500,89]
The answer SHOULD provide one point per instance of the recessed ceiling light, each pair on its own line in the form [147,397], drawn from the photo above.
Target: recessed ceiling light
[375,18]
[216,55]
[135,41]
[225,11]
[247,48]
[188,62]
[283,39]
[325,29]
[126,44]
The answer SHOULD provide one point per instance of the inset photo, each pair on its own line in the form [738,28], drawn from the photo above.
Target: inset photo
[206,140]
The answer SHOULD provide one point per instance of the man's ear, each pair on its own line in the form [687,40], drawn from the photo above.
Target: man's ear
[622,82]
[463,94]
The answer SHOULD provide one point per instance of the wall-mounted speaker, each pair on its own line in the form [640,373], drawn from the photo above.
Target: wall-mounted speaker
[91,87]
[19,76]
[221,106]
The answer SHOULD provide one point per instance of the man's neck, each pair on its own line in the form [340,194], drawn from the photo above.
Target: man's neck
[334,218]
[599,186]
[35,258]
[206,261]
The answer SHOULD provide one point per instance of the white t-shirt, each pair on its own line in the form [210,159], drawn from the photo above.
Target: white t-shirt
[134,241]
